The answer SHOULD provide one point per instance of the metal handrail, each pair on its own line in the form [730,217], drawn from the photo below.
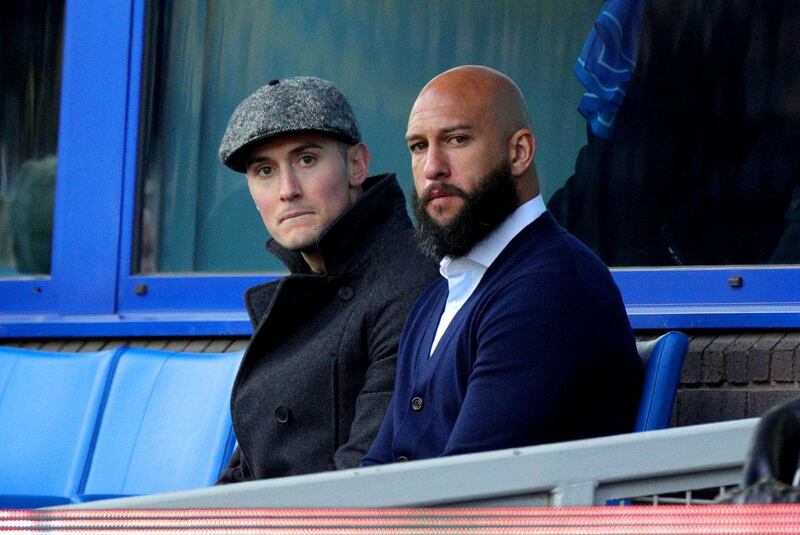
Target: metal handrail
[583,472]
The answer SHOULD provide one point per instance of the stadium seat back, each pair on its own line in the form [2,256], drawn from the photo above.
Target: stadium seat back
[50,403]
[663,360]
[166,425]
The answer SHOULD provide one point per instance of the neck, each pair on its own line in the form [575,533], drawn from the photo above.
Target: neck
[527,189]
[314,261]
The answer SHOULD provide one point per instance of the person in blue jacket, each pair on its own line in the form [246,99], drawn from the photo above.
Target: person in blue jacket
[525,339]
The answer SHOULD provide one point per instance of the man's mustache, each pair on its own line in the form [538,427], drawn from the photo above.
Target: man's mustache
[438,190]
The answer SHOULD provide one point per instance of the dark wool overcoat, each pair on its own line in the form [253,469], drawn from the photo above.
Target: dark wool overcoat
[318,373]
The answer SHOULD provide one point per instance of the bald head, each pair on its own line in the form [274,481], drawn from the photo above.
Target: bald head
[482,88]
[471,119]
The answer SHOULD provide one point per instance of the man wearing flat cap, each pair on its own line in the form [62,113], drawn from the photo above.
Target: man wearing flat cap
[318,373]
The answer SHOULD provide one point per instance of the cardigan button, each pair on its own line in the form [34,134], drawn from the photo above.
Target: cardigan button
[282,415]
[346,293]
[402,459]
[417,403]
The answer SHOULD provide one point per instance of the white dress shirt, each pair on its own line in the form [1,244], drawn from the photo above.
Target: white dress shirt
[464,273]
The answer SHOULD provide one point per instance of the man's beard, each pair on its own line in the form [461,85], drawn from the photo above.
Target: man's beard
[494,199]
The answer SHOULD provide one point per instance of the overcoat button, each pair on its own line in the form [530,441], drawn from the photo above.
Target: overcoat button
[282,414]
[346,293]
[417,403]
[402,459]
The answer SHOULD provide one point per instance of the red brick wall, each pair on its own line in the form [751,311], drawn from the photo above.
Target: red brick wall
[189,345]
[726,376]
[732,375]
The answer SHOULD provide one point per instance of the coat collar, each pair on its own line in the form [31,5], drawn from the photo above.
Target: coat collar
[345,245]
[341,244]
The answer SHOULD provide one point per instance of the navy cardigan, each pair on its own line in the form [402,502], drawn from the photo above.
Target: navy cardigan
[541,352]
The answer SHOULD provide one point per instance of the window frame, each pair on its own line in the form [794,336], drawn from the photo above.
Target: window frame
[97,154]
[97,159]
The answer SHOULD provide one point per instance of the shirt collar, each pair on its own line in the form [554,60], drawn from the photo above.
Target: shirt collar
[487,250]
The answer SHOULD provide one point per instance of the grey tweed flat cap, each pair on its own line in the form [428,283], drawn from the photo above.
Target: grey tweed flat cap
[301,104]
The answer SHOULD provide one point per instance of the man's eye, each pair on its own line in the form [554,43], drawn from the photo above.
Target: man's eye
[458,140]
[307,159]
[416,147]
[264,171]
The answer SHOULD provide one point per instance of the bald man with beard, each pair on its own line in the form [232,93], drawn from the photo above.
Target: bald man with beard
[525,339]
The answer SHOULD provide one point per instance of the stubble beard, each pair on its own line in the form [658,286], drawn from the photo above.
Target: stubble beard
[493,200]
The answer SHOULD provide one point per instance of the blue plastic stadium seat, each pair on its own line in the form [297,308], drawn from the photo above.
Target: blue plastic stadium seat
[663,360]
[166,425]
[49,406]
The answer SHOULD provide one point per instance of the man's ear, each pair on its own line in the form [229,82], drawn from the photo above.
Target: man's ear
[358,164]
[521,148]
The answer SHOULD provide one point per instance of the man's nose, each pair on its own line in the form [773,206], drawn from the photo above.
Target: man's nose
[289,186]
[436,165]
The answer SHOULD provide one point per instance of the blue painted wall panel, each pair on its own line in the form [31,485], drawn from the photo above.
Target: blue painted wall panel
[91,155]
